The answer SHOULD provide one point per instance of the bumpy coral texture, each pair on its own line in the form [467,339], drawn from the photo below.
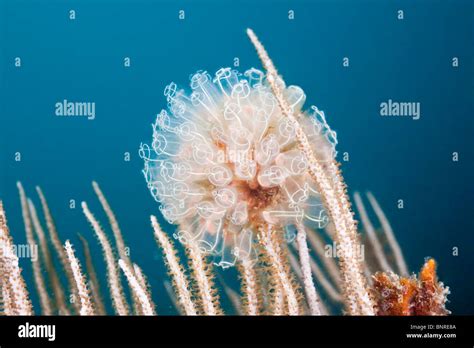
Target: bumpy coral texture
[402,296]
[224,161]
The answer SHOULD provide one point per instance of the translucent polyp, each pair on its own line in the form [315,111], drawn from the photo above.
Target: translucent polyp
[223,161]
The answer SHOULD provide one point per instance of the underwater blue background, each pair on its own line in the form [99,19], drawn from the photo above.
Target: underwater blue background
[395,158]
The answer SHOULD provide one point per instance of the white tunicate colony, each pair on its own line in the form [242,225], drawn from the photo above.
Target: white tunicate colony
[224,160]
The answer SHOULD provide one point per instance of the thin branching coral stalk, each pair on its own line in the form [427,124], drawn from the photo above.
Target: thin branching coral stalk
[333,194]
[140,277]
[262,275]
[7,301]
[113,276]
[295,265]
[310,290]
[147,307]
[176,270]
[121,247]
[119,242]
[370,230]
[7,304]
[137,308]
[57,245]
[83,291]
[274,253]
[329,263]
[45,302]
[142,281]
[321,278]
[15,293]
[296,269]
[325,283]
[273,300]
[354,282]
[368,273]
[171,294]
[48,262]
[94,285]
[249,286]
[392,241]
[204,280]
[278,303]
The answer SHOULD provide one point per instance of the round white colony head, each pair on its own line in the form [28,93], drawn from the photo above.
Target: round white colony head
[224,160]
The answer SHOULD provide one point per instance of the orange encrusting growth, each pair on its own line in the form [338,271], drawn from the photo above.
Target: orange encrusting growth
[432,295]
[393,295]
[428,272]
[403,296]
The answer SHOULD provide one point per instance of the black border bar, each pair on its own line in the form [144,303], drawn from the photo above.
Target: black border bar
[224,330]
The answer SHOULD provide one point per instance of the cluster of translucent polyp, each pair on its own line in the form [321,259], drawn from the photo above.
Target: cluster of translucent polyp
[224,160]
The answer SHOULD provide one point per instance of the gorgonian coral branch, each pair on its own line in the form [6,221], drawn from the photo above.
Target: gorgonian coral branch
[370,231]
[45,302]
[333,193]
[58,247]
[53,277]
[311,294]
[249,286]
[14,290]
[176,270]
[83,291]
[204,280]
[122,249]
[93,280]
[270,244]
[147,307]
[113,276]
[392,241]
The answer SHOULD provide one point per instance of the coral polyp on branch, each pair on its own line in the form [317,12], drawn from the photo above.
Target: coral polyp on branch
[224,161]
